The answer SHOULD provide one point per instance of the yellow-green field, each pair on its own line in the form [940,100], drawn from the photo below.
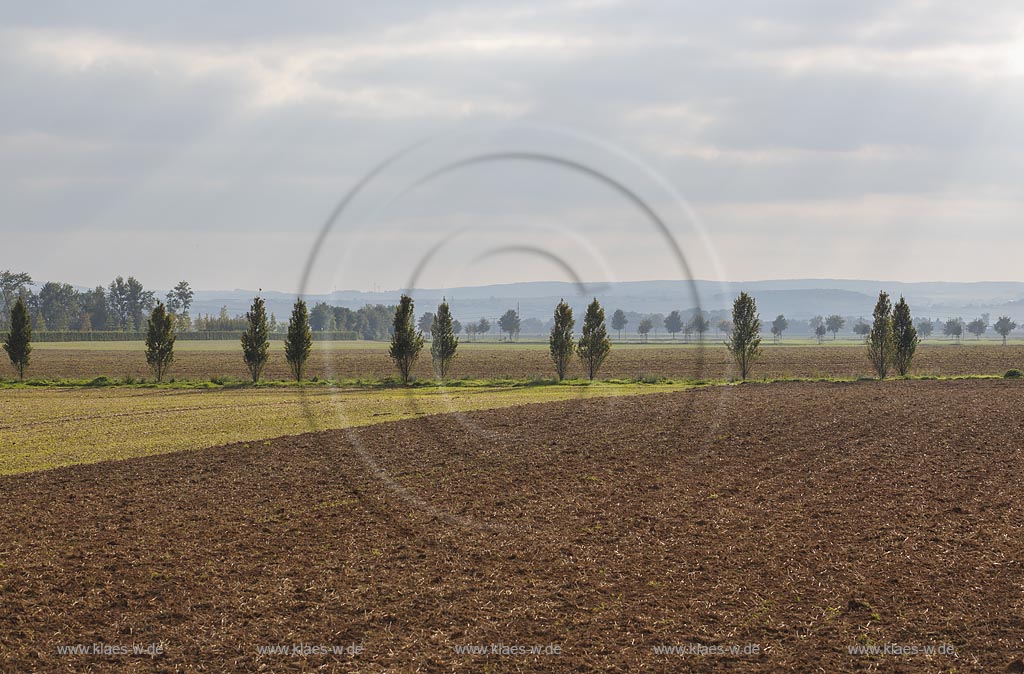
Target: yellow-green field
[49,427]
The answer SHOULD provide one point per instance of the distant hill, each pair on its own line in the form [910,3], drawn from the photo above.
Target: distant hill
[798,299]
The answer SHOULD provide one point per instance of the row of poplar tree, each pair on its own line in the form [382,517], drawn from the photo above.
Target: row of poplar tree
[892,341]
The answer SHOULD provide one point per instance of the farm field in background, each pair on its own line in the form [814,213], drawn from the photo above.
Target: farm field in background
[804,518]
[201,360]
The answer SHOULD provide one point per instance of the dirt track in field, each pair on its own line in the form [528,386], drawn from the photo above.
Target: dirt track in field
[624,362]
[808,519]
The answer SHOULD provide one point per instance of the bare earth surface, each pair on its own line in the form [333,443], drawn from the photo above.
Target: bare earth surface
[523,361]
[804,519]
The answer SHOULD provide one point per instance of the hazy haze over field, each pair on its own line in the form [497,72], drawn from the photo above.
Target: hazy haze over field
[811,141]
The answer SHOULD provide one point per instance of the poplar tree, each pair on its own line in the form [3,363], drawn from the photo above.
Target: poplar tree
[881,345]
[160,341]
[904,337]
[594,344]
[406,341]
[255,339]
[298,343]
[745,341]
[560,342]
[18,343]
[443,340]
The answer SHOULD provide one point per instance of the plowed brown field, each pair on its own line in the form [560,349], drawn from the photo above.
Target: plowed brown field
[804,519]
[520,361]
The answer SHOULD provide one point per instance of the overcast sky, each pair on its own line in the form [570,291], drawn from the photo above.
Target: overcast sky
[873,140]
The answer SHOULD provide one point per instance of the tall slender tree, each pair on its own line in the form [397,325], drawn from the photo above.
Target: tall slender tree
[904,337]
[18,343]
[256,340]
[298,343]
[745,341]
[594,344]
[160,341]
[443,343]
[560,343]
[881,343]
[406,341]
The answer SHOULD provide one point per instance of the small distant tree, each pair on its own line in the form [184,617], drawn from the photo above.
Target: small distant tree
[298,343]
[977,327]
[456,327]
[509,322]
[560,342]
[18,343]
[724,326]
[1004,326]
[644,328]
[426,320]
[256,340]
[160,341]
[406,341]
[820,332]
[483,326]
[594,344]
[471,330]
[619,321]
[862,328]
[880,340]
[904,337]
[924,328]
[954,328]
[745,341]
[673,323]
[779,326]
[835,323]
[700,325]
[444,343]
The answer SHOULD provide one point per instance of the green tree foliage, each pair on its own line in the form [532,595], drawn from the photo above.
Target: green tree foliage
[954,328]
[594,344]
[835,323]
[509,323]
[298,343]
[673,323]
[904,337]
[18,343]
[426,320]
[560,342]
[645,328]
[862,328]
[881,344]
[160,341]
[779,326]
[619,321]
[444,343]
[745,341]
[483,326]
[1004,326]
[256,340]
[699,324]
[820,332]
[406,341]
[59,305]
[179,301]
[471,330]
[12,286]
[924,328]
[94,303]
[977,327]
[456,327]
